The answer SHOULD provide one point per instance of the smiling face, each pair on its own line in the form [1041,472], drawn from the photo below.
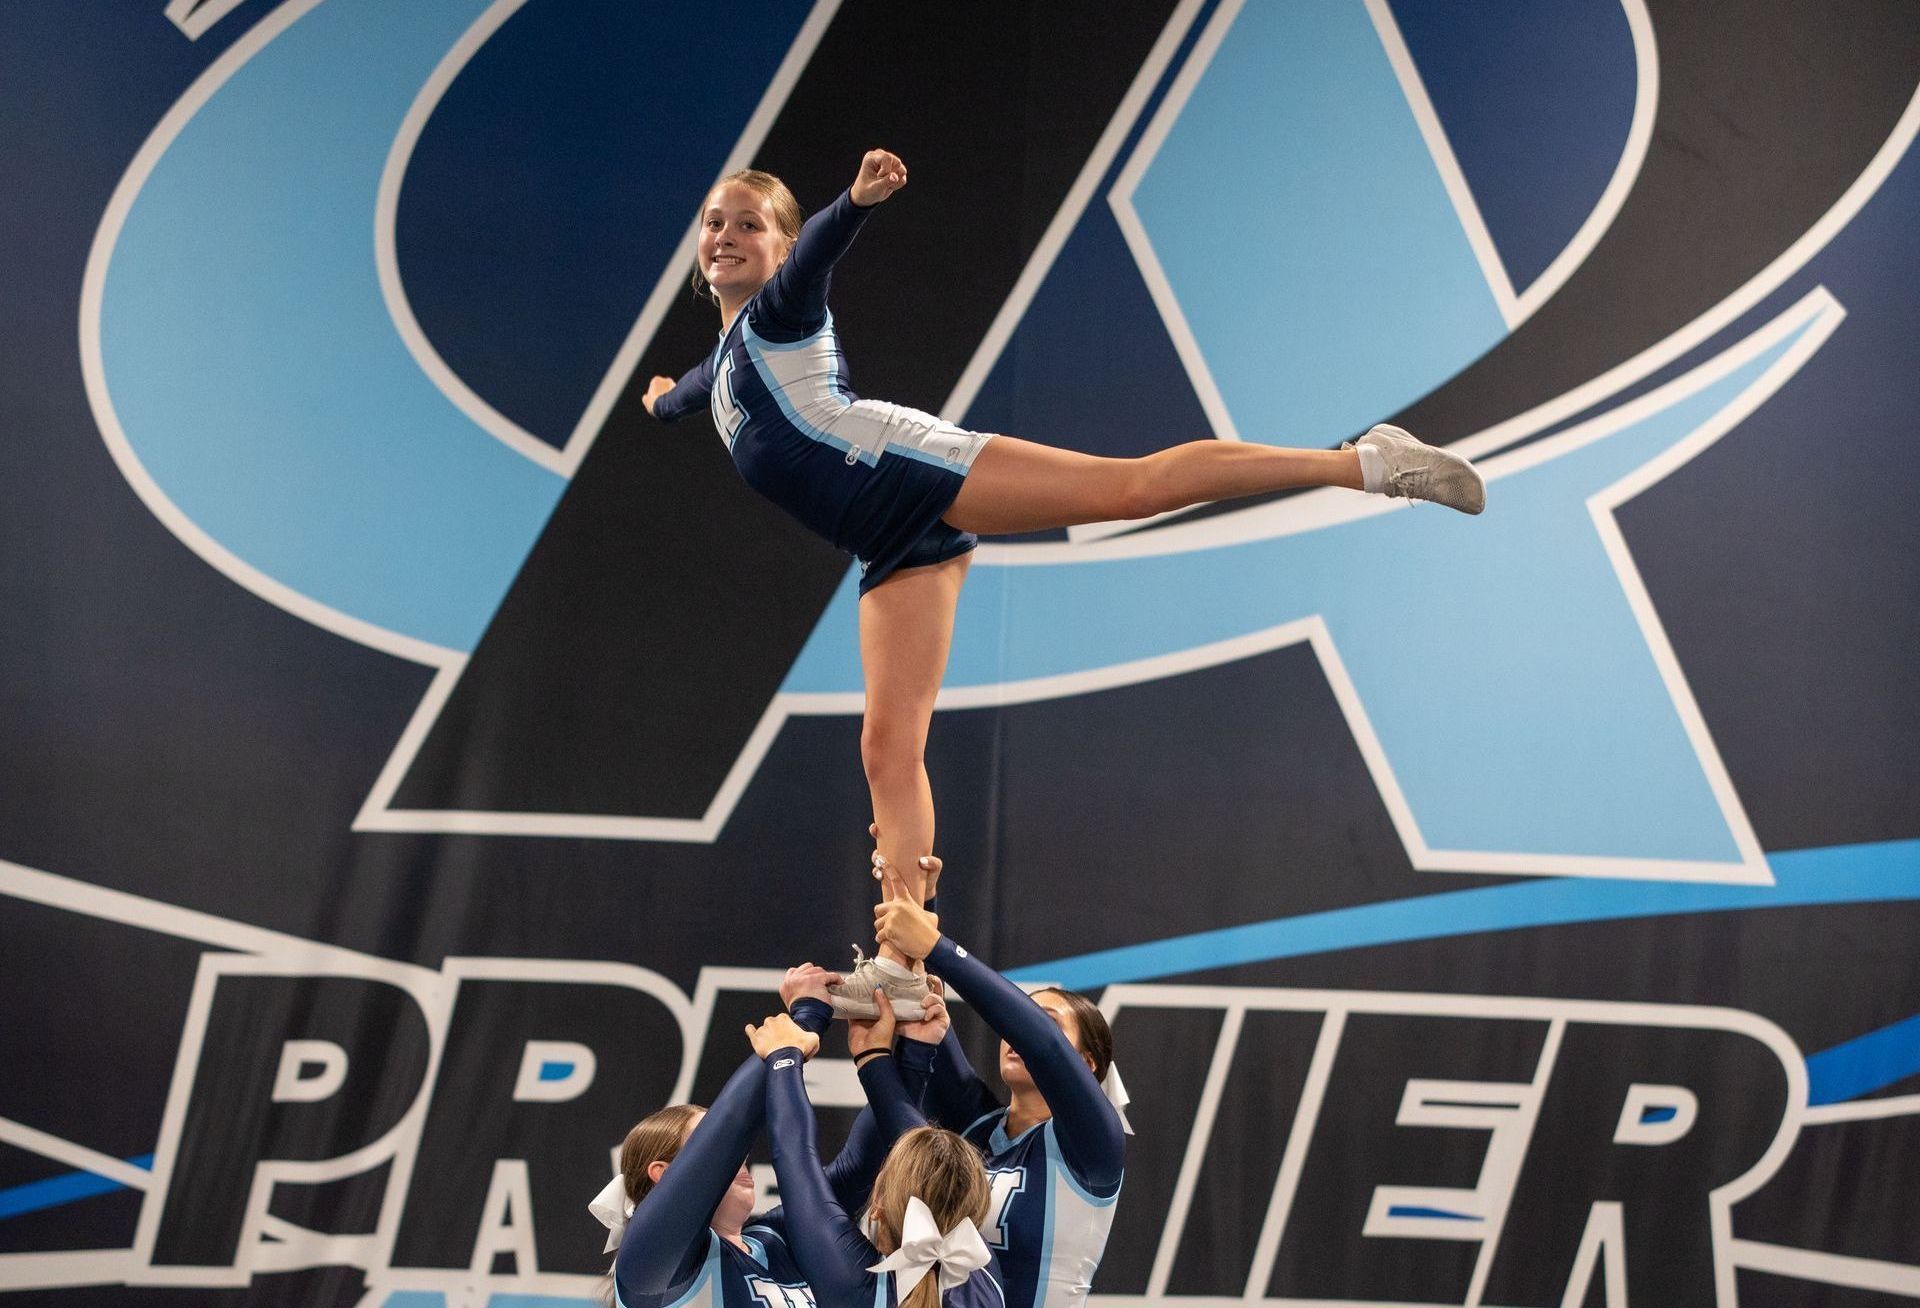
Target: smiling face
[741,243]
[1013,1068]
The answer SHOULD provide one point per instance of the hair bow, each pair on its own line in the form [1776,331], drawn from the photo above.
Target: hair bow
[958,1254]
[1116,1091]
[613,1208]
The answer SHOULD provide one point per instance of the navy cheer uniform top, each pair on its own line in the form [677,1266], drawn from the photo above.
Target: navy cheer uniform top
[873,478]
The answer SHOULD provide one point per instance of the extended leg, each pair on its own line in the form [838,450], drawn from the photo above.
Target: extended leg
[1016,486]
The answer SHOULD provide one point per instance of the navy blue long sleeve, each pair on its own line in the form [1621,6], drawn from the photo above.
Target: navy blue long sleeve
[666,1237]
[688,394]
[1092,1142]
[826,1243]
[794,302]
[956,1095]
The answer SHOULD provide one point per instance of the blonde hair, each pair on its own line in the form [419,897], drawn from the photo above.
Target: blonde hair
[946,1174]
[787,215]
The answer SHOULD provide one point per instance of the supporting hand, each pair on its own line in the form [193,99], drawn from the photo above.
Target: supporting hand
[899,920]
[876,1033]
[782,1032]
[929,866]
[807,982]
[932,1028]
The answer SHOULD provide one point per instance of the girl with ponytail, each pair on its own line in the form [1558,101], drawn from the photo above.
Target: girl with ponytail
[921,1246]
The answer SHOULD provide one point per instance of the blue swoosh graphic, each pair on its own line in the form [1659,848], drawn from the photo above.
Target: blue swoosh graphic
[1842,874]
[1864,1064]
[66,1188]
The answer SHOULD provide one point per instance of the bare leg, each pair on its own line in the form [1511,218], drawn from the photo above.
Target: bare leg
[1017,485]
[906,627]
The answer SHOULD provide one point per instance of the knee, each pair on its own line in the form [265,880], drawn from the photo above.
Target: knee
[888,751]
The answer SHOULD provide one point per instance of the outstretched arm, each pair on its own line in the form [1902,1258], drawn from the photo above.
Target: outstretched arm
[957,1096]
[1092,1143]
[832,1253]
[853,1169]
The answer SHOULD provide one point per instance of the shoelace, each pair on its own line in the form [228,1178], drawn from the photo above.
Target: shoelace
[1409,483]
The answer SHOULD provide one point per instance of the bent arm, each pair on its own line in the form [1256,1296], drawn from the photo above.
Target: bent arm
[1092,1143]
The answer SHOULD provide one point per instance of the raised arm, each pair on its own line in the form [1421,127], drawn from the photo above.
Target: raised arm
[664,1240]
[892,1100]
[796,298]
[957,1096]
[832,1253]
[1092,1142]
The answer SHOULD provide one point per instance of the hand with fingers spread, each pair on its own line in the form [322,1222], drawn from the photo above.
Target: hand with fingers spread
[932,1028]
[881,174]
[807,982]
[782,1032]
[900,920]
[867,1035]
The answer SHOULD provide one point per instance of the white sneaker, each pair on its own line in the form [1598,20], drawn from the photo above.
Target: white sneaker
[1419,471]
[860,995]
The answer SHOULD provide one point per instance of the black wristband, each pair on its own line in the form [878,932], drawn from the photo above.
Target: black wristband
[864,1056]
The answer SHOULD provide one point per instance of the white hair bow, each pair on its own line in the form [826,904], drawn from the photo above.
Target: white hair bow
[958,1254]
[1116,1092]
[613,1208]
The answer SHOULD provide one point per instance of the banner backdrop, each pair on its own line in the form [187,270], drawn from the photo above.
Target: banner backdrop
[416,764]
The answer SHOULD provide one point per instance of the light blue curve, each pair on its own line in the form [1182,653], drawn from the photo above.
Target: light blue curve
[1841,874]
[251,360]
[1306,234]
[1497,658]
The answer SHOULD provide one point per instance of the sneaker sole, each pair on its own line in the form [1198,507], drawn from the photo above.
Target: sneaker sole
[862,1012]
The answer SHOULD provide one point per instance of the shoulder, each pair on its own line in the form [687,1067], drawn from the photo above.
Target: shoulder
[981,1290]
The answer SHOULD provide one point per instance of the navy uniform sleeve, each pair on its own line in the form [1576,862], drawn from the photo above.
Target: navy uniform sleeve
[1092,1143]
[829,1248]
[666,1238]
[956,1096]
[688,394]
[796,298]
[851,1173]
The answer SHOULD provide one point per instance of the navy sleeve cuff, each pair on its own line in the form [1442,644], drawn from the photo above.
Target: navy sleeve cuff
[811,1014]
